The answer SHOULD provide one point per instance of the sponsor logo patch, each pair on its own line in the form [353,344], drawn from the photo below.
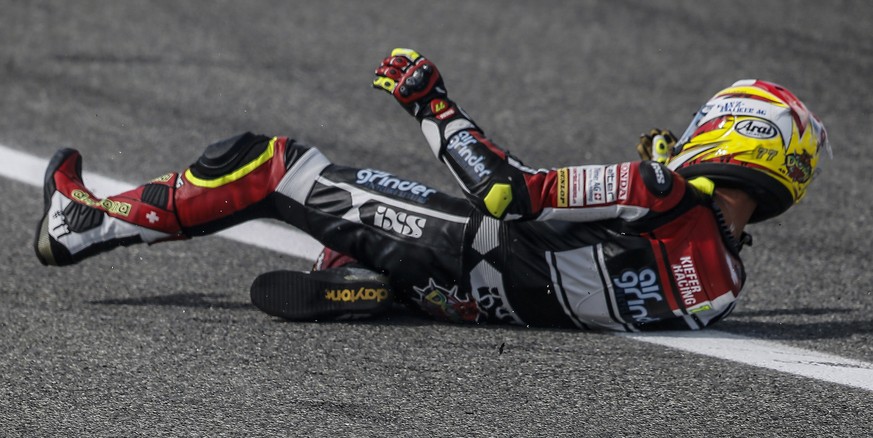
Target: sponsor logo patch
[563,188]
[688,282]
[441,109]
[610,181]
[462,148]
[595,186]
[163,178]
[399,222]
[110,206]
[446,114]
[577,186]
[624,181]
[638,289]
[741,107]
[761,129]
[660,179]
[354,295]
[586,185]
[438,105]
[799,167]
[445,303]
[656,178]
[387,183]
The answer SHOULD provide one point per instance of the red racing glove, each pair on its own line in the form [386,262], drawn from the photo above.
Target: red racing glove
[411,78]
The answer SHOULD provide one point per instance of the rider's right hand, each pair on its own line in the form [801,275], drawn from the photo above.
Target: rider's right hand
[411,78]
[651,147]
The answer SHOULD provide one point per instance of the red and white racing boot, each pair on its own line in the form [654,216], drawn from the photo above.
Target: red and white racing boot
[76,224]
[329,258]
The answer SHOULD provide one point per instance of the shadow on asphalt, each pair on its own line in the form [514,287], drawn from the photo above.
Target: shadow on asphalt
[828,325]
[748,323]
[195,300]
[806,311]
[399,315]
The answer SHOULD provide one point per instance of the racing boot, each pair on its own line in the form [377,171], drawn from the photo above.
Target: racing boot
[235,180]
[329,258]
[76,224]
[337,288]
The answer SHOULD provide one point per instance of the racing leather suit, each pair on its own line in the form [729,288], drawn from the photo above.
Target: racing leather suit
[629,246]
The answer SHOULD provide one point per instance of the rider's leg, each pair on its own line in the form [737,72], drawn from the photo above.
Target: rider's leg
[77,225]
[386,223]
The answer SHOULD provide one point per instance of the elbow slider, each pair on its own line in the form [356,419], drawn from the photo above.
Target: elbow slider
[498,199]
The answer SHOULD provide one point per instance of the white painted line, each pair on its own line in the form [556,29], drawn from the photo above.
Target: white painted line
[28,169]
[771,355]
[766,354]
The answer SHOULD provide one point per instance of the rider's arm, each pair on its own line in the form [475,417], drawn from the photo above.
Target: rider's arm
[505,188]
[500,185]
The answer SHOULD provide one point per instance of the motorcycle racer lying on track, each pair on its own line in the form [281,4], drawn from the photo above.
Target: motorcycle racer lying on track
[642,245]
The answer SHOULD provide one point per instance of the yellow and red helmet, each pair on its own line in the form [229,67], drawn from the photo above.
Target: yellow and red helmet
[756,136]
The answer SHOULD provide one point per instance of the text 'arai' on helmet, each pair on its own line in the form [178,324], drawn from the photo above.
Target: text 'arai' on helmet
[758,137]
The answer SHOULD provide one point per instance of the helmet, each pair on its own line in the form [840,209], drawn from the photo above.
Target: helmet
[755,136]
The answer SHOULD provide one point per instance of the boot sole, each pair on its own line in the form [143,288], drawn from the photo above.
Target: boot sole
[304,296]
[42,242]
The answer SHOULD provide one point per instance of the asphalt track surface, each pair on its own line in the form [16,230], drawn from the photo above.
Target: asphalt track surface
[162,340]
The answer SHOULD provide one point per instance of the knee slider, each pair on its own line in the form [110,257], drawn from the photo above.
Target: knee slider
[226,156]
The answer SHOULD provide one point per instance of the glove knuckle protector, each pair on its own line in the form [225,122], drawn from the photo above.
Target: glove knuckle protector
[412,79]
